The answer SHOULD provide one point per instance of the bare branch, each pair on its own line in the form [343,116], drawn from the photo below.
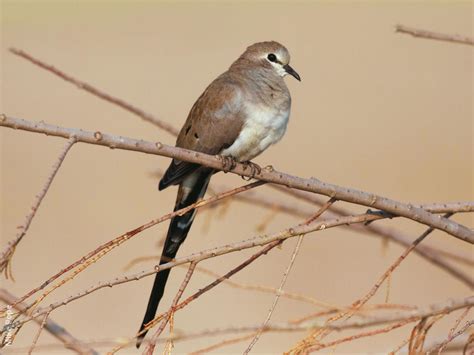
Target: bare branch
[429,253]
[268,174]
[311,338]
[51,326]
[106,247]
[311,219]
[38,333]
[213,284]
[187,278]
[440,347]
[206,254]
[7,254]
[96,92]
[415,32]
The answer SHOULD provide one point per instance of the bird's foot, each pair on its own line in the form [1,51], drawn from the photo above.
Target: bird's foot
[228,163]
[254,170]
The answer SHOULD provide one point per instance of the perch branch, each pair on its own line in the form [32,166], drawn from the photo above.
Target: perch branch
[268,174]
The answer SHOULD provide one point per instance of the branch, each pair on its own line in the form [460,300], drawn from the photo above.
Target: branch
[415,32]
[311,219]
[51,327]
[7,254]
[151,345]
[311,339]
[206,254]
[440,347]
[428,252]
[106,247]
[268,174]
[213,284]
[96,92]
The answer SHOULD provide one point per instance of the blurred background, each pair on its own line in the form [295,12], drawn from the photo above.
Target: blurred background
[376,110]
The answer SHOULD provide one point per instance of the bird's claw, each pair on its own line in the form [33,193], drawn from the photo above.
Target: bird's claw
[228,163]
[254,170]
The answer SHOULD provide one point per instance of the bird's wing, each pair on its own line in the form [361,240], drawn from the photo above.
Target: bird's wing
[213,124]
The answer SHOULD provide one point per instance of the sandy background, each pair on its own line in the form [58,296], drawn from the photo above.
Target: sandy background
[378,111]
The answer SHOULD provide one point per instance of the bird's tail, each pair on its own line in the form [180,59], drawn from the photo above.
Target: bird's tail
[190,190]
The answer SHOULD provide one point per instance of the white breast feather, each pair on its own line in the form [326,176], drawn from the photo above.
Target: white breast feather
[264,126]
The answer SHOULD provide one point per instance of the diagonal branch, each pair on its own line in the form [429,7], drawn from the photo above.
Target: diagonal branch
[7,254]
[106,247]
[431,254]
[170,313]
[211,253]
[50,326]
[311,219]
[415,32]
[96,92]
[393,207]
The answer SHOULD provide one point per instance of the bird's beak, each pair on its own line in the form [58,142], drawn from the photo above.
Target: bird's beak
[292,72]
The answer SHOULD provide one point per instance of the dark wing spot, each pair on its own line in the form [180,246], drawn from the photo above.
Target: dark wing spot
[196,136]
[187,130]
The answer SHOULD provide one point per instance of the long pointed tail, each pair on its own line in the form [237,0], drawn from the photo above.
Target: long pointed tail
[190,190]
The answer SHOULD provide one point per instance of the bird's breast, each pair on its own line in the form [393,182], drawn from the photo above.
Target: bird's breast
[263,126]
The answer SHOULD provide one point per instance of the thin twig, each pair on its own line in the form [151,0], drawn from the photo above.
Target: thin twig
[206,254]
[210,286]
[38,333]
[223,343]
[415,32]
[305,343]
[286,273]
[426,251]
[392,267]
[57,331]
[358,336]
[277,296]
[268,174]
[452,333]
[151,345]
[96,92]
[106,247]
[440,347]
[7,254]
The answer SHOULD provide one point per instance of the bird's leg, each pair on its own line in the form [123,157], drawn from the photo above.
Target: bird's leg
[228,162]
[254,169]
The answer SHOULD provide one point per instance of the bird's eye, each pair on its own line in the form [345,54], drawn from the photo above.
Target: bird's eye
[272,57]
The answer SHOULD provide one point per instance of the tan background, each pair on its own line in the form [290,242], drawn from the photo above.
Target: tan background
[375,110]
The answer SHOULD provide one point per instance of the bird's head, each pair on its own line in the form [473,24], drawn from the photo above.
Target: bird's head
[272,56]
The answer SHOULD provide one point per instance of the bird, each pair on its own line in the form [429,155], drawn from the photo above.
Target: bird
[239,115]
